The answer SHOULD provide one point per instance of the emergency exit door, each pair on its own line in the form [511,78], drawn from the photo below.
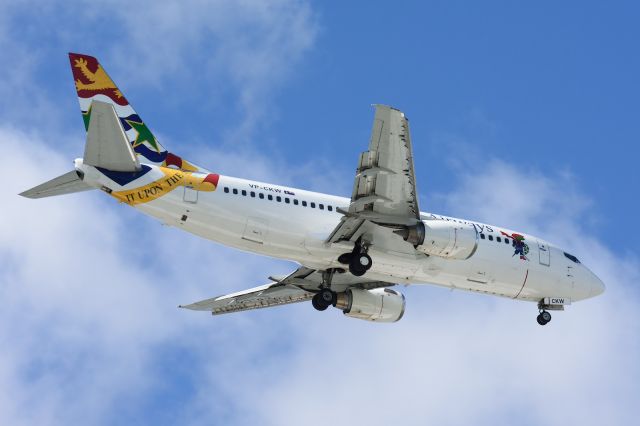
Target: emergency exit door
[545,253]
[190,195]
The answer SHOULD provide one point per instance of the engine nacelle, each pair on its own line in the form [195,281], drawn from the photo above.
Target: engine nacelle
[443,238]
[379,305]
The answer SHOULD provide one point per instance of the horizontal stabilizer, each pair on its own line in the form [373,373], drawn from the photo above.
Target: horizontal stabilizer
[107,144]
[68,183]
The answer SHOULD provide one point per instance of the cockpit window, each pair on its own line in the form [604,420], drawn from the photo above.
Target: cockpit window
[571,258]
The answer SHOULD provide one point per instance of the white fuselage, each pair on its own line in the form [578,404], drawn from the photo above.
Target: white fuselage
[294,224]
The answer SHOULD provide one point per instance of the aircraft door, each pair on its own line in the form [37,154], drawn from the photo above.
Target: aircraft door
[256,230]
[190,195]
[545,253]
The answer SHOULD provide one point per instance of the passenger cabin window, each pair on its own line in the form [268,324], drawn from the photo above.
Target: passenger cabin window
[286,200]
[270,197]
[321,206]
[330,208]
[226,189]
[295,201]
[235,191]
[253,194]
[490,237]
[244,192]
[304,204]
[498,239]
[482,236]
[506,241]
[313,205]
[261,195]
[278,198]
[571,258]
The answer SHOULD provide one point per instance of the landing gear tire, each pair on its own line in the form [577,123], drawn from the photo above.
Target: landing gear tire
[356,269]
[318,303]
[325,298]
[543,318]
[360,263]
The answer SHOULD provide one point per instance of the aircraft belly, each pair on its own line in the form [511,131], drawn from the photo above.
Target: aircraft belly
[264,232]
[477,274]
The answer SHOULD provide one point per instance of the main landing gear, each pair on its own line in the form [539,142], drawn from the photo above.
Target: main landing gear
[358,260]
[325,297]
[543,317]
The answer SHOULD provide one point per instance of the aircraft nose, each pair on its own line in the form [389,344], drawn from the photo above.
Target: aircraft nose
[586,284]
[597,286]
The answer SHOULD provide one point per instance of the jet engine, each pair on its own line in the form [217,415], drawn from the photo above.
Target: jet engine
[442,238]
[379,305]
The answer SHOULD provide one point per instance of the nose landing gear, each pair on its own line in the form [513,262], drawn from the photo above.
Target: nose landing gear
[550,304]
[543,317]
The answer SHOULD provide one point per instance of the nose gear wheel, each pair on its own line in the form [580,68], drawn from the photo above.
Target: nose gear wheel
[543,318]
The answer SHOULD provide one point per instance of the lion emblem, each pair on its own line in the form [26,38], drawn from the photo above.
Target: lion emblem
[99,80]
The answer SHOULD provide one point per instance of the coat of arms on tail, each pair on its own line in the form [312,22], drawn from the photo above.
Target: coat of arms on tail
[93,83]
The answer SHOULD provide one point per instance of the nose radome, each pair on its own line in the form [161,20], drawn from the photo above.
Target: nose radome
[597,286]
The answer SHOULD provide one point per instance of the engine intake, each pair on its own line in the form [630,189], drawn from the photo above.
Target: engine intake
[442,238]
[379,305]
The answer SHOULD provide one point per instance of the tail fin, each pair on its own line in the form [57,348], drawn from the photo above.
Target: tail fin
[107,147]
[107,144]
[94,84]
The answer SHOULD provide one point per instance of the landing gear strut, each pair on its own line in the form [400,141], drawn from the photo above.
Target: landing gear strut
[543,317]
[358,260]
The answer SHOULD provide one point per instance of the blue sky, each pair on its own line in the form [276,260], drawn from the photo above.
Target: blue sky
[523,115]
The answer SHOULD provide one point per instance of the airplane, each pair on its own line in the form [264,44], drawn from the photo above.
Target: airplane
[350,252]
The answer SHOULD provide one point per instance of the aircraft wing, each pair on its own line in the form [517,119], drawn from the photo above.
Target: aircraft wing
[384,191]
[299,286]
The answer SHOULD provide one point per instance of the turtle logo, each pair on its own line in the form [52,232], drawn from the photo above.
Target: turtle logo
[521,248]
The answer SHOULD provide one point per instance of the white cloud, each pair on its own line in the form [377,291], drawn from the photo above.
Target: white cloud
[221,54]
[89,293]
